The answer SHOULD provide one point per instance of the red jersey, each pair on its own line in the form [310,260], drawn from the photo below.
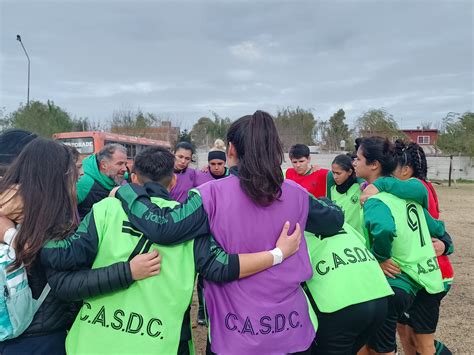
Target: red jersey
[433,205]
[315,183]
[433,209]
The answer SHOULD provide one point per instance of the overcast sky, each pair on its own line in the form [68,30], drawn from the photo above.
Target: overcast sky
[183,59]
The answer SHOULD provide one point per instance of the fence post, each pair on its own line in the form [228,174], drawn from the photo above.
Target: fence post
[450,169]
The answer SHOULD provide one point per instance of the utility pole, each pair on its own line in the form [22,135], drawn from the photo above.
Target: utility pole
[18,38]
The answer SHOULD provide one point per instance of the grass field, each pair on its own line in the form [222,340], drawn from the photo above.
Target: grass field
[457,310]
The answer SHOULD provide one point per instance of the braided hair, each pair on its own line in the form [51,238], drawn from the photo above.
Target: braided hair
[412,155]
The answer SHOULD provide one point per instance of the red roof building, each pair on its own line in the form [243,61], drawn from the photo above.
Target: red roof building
[422,136]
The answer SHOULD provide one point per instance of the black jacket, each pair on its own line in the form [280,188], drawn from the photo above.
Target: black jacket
[58,310]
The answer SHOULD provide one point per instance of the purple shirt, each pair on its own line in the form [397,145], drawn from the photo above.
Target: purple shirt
[185,181]
[202,177]
[267,312]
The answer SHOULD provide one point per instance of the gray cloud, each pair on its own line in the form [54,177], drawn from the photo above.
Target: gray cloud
[185,58]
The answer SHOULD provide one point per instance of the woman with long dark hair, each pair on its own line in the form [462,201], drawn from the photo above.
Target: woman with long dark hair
[44,175]
[55,183]
[267,312]
[399,237]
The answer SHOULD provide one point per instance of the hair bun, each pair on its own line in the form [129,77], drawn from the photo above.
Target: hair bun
[400,145]
[219,144]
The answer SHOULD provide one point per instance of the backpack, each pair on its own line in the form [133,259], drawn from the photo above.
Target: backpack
[17,305]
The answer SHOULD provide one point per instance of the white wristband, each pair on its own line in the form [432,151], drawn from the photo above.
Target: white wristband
[277,256]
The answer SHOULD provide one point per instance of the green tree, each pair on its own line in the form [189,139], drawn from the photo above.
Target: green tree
[81,125]
[337,131]
[377,122]
[219,128]
[200,131]
[458,134]
[43,119]
[4,120]
[205,131]
[295,126]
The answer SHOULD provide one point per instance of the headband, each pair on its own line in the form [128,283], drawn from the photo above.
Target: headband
[216,154]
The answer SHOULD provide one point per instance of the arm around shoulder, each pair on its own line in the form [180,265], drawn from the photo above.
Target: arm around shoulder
[82,284]
[218,266]
[166,225]
[74,252]
[411,189]
[324,217]
[381,227]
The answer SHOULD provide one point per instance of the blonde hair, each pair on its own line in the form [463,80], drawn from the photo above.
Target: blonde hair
[219,145]
[218,151]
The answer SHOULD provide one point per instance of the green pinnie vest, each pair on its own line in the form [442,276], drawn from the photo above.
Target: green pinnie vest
[412,248]
[344,271]
[147,317]
[350,204]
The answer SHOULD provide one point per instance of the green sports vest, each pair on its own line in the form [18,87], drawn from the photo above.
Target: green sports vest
[344,271]
[412,249]
[350,204]
[147,317]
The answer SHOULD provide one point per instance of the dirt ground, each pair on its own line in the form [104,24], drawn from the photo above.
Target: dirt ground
[457,311]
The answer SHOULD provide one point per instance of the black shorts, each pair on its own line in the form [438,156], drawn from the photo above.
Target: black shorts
[384,339]
[346,331]
[423,314]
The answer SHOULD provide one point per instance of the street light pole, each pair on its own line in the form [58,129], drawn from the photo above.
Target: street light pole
[18,38]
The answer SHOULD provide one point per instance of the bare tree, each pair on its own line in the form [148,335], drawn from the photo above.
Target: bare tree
[426,125]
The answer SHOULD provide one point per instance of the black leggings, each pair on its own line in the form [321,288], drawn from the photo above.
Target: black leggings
[200,289]
[49,344]
[384,339]
[346,331]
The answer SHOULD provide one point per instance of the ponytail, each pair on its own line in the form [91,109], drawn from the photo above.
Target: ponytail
[260,155]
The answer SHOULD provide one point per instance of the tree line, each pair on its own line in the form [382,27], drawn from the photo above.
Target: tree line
[295,125]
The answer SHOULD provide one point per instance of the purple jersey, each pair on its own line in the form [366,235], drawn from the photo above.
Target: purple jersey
[202,177]
[267,312]
[185,181]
